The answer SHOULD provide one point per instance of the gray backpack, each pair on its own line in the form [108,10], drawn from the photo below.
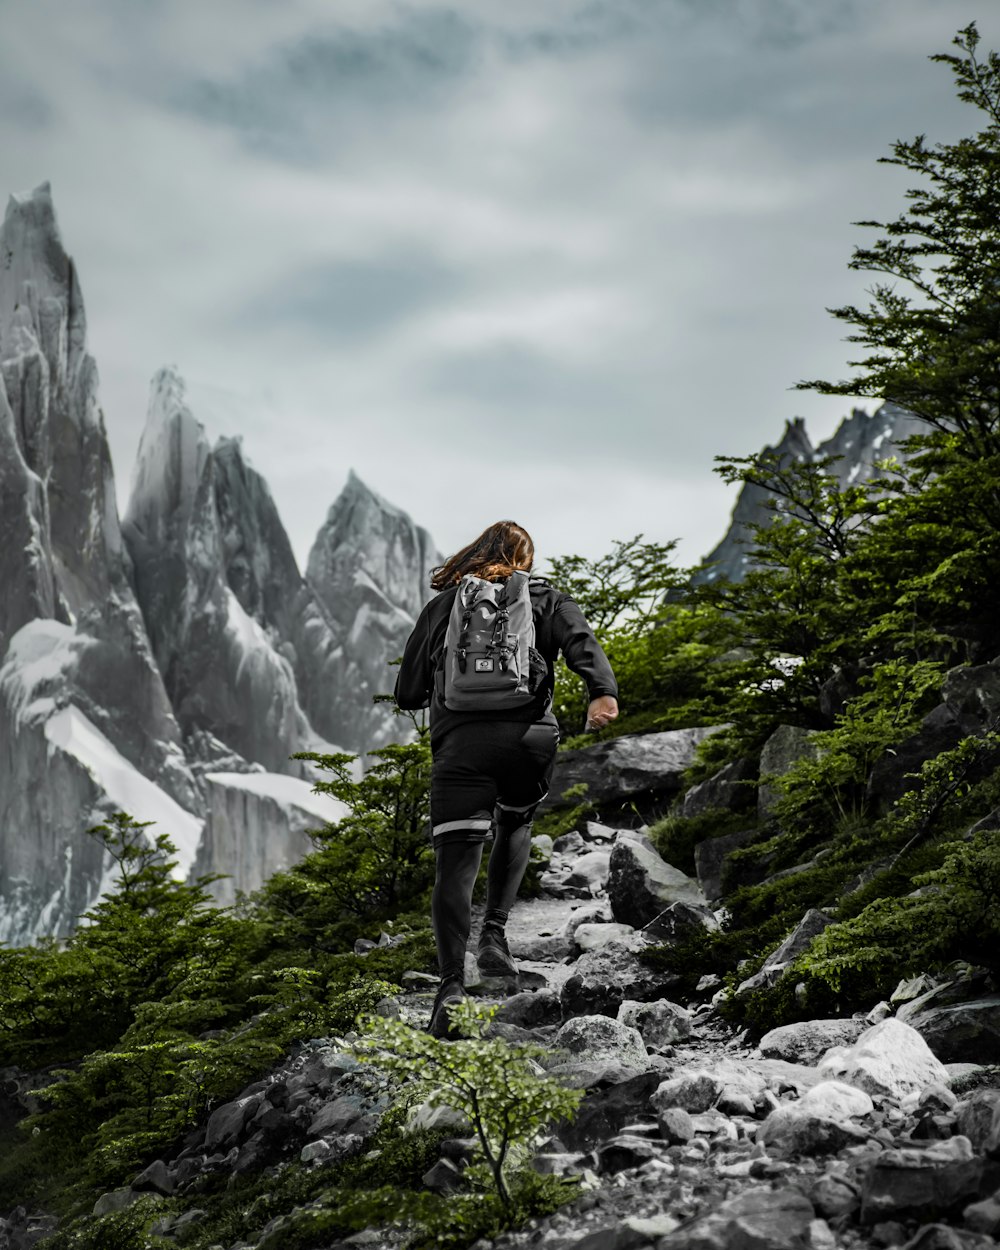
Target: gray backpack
[491,632]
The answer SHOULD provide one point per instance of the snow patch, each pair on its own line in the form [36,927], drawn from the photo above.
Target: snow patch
[284,789]
[40,653]
[128,790]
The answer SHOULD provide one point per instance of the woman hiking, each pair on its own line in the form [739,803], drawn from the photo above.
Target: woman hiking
[493,732]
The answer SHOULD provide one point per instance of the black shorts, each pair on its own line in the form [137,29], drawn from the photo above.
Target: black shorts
[484,764]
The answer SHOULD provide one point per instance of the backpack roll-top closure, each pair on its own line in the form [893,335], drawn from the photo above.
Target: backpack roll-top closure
[486,652]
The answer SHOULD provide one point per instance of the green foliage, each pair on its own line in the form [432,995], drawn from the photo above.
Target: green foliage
[369,863]
[489,1081]
[665,653]
[675,837]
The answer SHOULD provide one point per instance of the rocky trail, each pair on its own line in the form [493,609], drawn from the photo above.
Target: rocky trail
[828,1133]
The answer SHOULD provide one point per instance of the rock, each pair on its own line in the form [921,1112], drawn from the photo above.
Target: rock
[942,1237]
[116,1200]
[589,872]
[660,1023]
[641,884]
[592,913]
[834,1195]
[676,1126]
[979,1120]
[983,1217]
[549,949]
[597,1038]
[712,867]
[909,989]
[602,979]
[626,1151]
[889,1059]
[923,1184]
[626,767]
[418,982]
[964,1032]
[785,747]
[226,1123]
[797,1131]
[590,936]
[694,1091]
[810,926]
[529,1010]
[936,1098]
[758,1219]
[608,1237]
[542,847]
[604,1112]
[157,1177]
[730,789]
[680,922]
[340,1116]
[443,1178]
[836,1101]
[808,1040]
[568,843]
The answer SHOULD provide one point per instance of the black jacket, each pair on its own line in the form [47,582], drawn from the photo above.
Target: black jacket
[559,626]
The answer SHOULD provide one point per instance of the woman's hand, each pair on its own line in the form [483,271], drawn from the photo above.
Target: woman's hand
[601,712]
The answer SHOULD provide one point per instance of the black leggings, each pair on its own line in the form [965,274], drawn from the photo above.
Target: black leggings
[487,777]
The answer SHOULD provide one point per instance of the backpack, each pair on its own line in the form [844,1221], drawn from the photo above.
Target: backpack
[488,646]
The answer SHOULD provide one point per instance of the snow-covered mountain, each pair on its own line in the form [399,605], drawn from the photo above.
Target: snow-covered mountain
[859,442]
[169,665]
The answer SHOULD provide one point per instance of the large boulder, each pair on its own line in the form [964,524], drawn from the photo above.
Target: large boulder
[605,1111]
[810,926]
[597,1038]
[712,868]
[730,789]
[624,768]
[808,1040]
[890,1059]
[680,922]
[603,978]
[641,883]
[781,752]
[778,1219]
[661,1023]
[921,1183]
[961,1032]
[797,1130]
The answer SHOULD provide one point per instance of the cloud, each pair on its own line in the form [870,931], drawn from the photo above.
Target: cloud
[385,233]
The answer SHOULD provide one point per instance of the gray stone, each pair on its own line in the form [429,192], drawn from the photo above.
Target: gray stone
[597,1038]
[676,1126]
[725,791]
[608,1237]
[775,1219]
[443,1178]
[592,913]
[808,1040]
[923,1184]
[158,1177]
[641,883]
[589,937]
[835,1101]
[626,767]
[628,1150]
[810,926]
[602,979]
[226,1123]
[660,1023]
[589,872]
[542,847]
[116,1200]
[337,1116]
[605,1111]
[529,1010]
[910,988]
[785,747]
[714,870]
[694,1091]
[794,1131]
[979,1120]
[680,922]
[551,948]
[567,843]
[966,1032]
[889,1059]
[834,1195]
[984,1217]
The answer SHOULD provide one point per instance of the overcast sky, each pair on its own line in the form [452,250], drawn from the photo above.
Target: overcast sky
[503,259]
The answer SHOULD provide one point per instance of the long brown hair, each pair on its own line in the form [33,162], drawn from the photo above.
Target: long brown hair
[500,549]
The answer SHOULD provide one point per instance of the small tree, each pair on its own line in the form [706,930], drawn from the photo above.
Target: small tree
[491,1082]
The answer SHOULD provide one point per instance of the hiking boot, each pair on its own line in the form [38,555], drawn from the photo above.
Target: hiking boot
[494,955]
[449,992]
